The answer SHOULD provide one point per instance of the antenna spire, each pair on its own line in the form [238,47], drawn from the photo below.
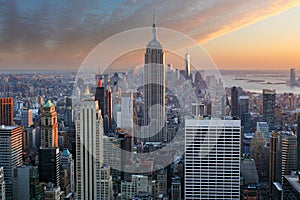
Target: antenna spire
[154,18]
[154,33]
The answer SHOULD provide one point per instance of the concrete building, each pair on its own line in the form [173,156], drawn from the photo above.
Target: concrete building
[269,107]
[26,185]
[11,154]
[26,118]
[49,170]
[234,102]
[93,178]
[212,159]
[292,77]
[154,90]
[67,162]
[137,184]
[260,153]
[176,188]
[52,192]
[291,187]
[49,126]
[264,128]
[2,184]
[6,111]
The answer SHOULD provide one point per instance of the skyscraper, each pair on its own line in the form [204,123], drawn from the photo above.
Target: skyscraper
[274,162]
[187,66]
[49,165]
[11,154]
[212,159]
[244,113]
[26,183]
[92,176]
[67,162]
[154,89]
[127,112]
[100,96]
[116,105]
[2,184]
[49,153]
[49,126]
[26,118]
[292,77]
[108,108]
[6,111]
[298,143]
[234,102]
[269,107]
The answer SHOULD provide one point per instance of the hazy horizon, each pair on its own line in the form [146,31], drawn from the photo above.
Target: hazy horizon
[237,35]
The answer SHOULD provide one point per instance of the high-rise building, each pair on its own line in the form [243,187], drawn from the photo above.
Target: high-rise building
[108,108]
[26,118]
[291,187]
[69,117]
[269,107]
[212,159]
[52,192]
[137,184]
[11,154]
[274,162]
[92,176]
[188,66]
[283,158]
[26,183]
[292,77]
[260,153]
[49,126]
[154,90]
[2,184]
[67,162]
[289,154]
[127,113]
[116,105]
[234,102]
[244,113]
[49,162]
[49,165]
[264,128]
[176,188]
[100,96]
[6,111]
[298,143]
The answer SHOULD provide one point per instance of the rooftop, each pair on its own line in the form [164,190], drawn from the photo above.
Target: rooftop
[48,104]
[3,127]
[293,180]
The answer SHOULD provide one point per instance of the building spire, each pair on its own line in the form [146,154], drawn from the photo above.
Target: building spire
[154,32]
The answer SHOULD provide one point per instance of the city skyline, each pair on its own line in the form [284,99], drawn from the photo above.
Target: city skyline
[31,39]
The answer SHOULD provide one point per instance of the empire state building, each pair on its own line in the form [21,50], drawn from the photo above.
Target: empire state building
[154,90]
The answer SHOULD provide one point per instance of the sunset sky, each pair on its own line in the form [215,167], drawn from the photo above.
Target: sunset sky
[59,34]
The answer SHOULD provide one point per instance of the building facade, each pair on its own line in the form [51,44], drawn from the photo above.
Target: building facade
[2,184]
[212,159]
[26,185]
[89,154]
[11,154]
[6,111]
[49,126]
[154,90]
[269,107]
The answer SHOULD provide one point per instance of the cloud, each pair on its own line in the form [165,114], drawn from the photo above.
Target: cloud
[61,33]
